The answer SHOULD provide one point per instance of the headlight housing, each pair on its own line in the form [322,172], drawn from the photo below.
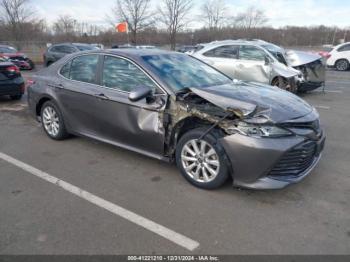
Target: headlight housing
[253,130]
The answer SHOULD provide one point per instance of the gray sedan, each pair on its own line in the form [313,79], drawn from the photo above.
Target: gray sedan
[173,107]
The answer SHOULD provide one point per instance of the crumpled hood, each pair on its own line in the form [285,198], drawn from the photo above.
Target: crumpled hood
[285,71]
[297,58]
[276,104]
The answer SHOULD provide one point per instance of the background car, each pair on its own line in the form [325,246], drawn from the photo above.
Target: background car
[19,59]
[11,81]
[185,48]
[57,51]
[248,61]
[263,62]
[173,107]
[339,57]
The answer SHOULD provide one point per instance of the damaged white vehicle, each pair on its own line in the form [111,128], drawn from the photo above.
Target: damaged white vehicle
[263,62]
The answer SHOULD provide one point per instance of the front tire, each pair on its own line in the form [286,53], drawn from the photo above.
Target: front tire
[282,83]
[342,65]
[202,162]
[52,121]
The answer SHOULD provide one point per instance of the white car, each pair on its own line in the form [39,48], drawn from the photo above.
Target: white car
[340,57]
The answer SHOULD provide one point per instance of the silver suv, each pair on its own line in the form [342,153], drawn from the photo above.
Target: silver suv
[258,61]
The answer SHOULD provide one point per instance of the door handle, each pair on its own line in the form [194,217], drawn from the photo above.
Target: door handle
[59,86]
[102,96]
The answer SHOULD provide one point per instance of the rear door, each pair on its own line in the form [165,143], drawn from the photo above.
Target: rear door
[344,52]
[76,90]
[223,58]
[251,65]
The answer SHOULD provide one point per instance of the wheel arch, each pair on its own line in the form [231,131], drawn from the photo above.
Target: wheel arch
[41,102]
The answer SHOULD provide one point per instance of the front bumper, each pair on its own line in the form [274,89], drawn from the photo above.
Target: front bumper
[309,86]
[254,160]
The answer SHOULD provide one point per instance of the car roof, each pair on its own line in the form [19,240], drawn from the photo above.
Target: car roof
[257,42]
[6,46]
[70,44]
[132,52]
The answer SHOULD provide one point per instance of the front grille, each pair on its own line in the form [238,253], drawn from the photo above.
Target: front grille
[314,125]
[296,161]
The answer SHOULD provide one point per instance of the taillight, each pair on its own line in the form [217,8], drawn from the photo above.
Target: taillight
[13,69]
[30,82]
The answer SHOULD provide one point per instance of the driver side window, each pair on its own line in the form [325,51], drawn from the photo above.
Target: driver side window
[123,75]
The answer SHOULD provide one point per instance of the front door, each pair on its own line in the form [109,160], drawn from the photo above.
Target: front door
[251,65]
[135,125]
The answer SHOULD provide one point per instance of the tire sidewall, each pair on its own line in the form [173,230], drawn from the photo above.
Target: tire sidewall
[342,60]
[62,130]
[212,139]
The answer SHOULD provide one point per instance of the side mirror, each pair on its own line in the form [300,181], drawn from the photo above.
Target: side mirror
[140,93]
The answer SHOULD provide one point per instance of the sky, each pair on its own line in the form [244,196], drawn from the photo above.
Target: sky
[279,12]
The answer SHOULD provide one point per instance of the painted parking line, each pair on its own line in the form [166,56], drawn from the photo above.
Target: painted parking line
[323,107]
[158,229]
[328,91]
[339,82]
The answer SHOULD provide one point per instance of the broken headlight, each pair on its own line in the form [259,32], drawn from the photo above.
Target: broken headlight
[258,130]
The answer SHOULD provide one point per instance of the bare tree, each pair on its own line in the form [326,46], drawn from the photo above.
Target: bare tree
[65,25]
[136,13]
[15,13]
[251,18]
[173,14]
[213,13]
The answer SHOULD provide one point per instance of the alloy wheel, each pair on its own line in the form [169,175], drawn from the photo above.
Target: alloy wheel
[51,121]
[342,65]
[200,161]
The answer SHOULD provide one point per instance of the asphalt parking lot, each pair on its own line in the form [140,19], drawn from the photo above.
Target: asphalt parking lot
[38,217]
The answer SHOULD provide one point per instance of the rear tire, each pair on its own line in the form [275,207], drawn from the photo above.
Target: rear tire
[52,121]
[342,65]
[16,97]
[204,162]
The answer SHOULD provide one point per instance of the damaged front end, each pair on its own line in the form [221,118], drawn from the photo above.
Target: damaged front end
[259,138]
[311,66]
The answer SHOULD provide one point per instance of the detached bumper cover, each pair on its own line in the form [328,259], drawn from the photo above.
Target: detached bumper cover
[267,163]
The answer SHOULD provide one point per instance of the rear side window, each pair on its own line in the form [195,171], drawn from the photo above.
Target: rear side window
[247,52]
[227,51]
[123,75]
[65,70]
[82,68]
[344,48]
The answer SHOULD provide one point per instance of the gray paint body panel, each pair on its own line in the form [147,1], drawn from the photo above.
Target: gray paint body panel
[141,126]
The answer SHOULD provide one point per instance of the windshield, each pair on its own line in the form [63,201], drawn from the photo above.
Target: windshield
[277,52]
[7,49]
[182,71]
[86,47]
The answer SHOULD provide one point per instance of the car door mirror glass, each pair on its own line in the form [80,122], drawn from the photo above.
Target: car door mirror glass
[140,93]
